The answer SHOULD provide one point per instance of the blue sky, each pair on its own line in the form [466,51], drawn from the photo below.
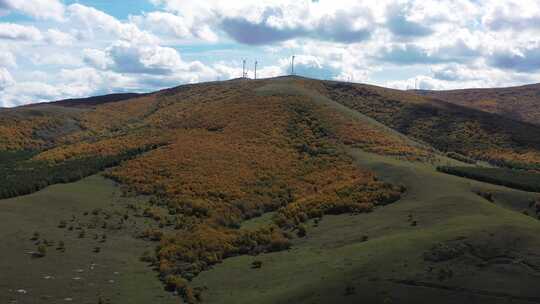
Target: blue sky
[54,49]
[118,8]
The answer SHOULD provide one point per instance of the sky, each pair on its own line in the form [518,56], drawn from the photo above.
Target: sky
[57,49]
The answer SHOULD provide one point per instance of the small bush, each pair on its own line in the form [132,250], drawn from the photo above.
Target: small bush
[301,231]
[256,264]
[278,242]
[175,283]
[486,195]
[41,251]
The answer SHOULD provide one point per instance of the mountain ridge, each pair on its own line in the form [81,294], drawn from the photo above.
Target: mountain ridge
[519,103]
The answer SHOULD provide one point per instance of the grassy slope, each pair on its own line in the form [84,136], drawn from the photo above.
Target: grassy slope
[520,103]
[332,257]
[42,211]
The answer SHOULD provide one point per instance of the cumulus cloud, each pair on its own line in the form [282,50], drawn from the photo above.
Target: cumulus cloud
[407,54]
[273,25]
[400,23]
[97,58]
[172,25]
[94,20]
[14,31]
[255,23]
[525,59]
[41,9]
[124,57]
[57,37]
[7,59]
[503,16]
[58,58]
[5,78]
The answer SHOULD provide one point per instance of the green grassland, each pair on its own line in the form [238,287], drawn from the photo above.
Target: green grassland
[334,263]
[78,274]
[442,243]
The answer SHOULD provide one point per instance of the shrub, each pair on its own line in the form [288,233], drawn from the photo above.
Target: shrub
[486,195]
[256,264]
[301,230]
[175,283]
[278,242]
[41,251]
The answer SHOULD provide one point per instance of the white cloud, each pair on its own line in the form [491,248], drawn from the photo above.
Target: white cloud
[7,59]
[54,36]
[175,26]
[58,58]
[94,20]
[511,15]
[97,58]
[22,93]
[14,31]
[255,22]
[5,79]
[145,59]
[41,9]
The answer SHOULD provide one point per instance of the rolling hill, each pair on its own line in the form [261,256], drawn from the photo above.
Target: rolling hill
[519,103]
[326,179]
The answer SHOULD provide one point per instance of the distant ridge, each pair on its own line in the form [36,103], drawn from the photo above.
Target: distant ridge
[90,101]
[519,103]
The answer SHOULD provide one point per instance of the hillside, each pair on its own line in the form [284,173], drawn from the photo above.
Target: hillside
[519,103]
[200,175]
[450,128]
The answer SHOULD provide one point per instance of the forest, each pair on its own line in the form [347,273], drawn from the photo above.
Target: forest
[21,175]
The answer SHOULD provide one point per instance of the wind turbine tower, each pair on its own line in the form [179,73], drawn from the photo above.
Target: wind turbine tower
[255,69]
[292,65]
